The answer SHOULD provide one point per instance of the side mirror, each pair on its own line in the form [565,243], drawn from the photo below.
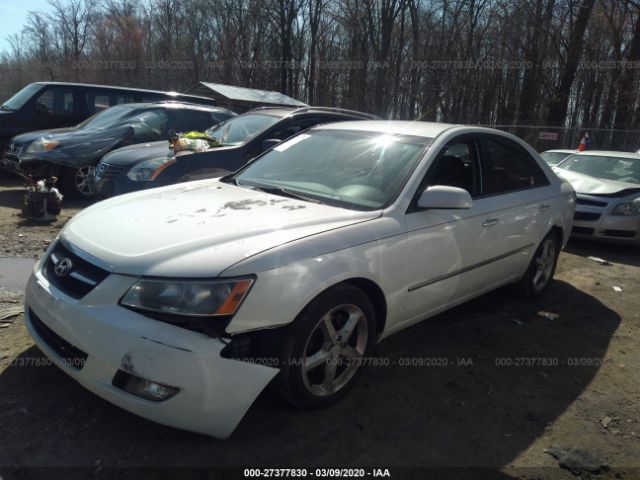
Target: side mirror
[270,143]
[441,196]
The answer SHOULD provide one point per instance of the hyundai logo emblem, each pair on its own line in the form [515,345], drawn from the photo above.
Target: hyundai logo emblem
[63,267]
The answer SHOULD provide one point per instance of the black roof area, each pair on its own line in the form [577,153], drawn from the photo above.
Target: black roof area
[125,89]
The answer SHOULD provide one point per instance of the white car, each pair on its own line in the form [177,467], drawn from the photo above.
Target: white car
[182,303]
[608,195]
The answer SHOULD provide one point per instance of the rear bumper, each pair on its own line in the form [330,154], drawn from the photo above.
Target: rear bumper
[214,392]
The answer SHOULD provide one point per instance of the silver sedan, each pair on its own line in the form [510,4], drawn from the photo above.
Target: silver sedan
[607,184]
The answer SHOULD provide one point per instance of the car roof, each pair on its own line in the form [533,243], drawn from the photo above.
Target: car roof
[560,150]
[175,104]
[610,153]
[131,89]
[294,111]
[420,129]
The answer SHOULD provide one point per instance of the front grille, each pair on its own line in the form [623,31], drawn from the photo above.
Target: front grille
[587,216]
[620,233]
[72,356]
[106,170]
[12,158]
[582,230]
[78,279]
[588,201]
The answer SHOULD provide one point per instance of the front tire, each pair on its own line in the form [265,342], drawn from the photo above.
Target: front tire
[539,275]
[323,350]
[78,182]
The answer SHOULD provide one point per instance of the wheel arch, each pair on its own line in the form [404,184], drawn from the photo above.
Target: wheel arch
[375,294]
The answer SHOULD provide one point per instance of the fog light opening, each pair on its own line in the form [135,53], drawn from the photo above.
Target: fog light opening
[143,388]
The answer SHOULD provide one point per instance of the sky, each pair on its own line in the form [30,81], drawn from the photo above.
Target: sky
[14,16]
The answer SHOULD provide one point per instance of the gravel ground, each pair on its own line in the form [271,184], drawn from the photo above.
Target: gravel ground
[516,384]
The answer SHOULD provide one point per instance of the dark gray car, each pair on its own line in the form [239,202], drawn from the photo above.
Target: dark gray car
[241,138]
[72,153]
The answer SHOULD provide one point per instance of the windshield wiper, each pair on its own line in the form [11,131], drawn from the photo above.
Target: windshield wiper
[283,193]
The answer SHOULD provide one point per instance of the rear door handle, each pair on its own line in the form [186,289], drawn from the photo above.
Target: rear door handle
[543,207]
[490,222]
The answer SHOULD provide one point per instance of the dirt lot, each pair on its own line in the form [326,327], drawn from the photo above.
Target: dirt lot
[515,384]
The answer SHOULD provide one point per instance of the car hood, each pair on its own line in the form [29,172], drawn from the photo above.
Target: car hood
[134,154]
[76,147]
[594,186]
[197,229]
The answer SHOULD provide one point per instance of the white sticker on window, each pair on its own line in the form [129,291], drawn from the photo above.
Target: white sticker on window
[290,143]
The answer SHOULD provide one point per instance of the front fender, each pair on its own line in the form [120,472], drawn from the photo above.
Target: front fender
[279,295]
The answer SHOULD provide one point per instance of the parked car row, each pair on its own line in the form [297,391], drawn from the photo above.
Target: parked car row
[72,153]
[47,105]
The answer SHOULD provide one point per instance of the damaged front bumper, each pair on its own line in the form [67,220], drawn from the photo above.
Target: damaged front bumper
[97,342]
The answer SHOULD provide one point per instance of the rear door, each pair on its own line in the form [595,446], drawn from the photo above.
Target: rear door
[519,193]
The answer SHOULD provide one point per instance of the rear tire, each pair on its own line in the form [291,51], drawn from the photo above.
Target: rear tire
[539,275]
[322,352]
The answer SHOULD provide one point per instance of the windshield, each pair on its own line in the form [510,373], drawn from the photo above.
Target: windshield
[109,117]
[23,96]
[353,169]
[554,158]
[242,128]
[621,169]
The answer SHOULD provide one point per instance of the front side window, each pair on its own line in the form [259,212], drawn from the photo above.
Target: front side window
[457,166]
[507,167]
[352,169]
[241,129]
[55,101]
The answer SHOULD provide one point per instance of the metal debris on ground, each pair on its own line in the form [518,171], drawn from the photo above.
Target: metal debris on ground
[616,288]
[599,260]
[574,459]
[8,314]
[517,322]
[548,315]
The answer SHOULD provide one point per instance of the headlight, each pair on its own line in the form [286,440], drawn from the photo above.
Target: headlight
[195,298]
[627,208]
[42,145]
[148,170]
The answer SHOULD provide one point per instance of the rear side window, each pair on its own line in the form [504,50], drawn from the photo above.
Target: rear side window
[507,166]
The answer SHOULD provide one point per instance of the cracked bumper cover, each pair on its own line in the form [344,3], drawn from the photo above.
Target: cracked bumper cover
[215,392]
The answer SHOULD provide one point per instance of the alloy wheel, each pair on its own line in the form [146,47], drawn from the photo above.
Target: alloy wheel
[83,180]
[334,350]
[544,262]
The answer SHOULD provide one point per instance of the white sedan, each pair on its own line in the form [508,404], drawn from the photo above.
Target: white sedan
[182,303]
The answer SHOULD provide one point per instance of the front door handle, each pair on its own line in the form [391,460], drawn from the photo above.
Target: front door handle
[490,222]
